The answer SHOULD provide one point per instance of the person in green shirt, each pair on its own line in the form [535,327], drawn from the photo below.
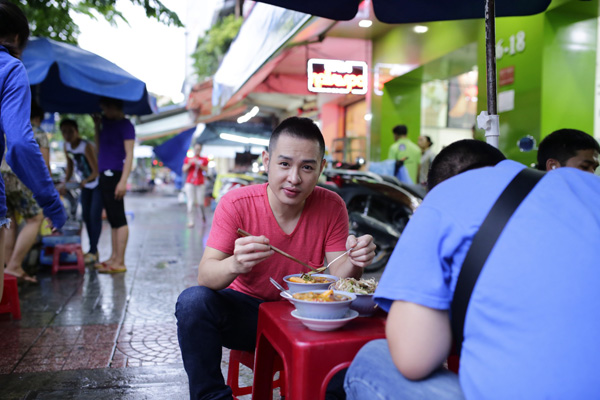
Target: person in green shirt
[405,150]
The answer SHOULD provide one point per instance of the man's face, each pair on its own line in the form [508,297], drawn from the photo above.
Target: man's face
[294,167]
[423,143]
[585,160]
[110,111]
[69,132]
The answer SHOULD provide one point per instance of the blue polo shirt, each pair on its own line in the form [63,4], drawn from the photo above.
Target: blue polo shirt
[22,152]
[532,328]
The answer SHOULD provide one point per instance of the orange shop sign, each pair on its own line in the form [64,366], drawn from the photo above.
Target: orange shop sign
[337,76]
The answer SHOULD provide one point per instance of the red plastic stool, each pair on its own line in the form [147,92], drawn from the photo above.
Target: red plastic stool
[237,357]
[453,363]
[68,248]
[10,298]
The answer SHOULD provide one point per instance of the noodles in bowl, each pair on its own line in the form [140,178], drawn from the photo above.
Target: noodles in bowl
[303,282]
[363,289]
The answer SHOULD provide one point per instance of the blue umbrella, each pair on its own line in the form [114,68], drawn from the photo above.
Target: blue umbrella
[68,79]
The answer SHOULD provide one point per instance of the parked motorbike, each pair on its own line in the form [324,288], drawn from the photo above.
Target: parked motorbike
[227,182]
[377,205]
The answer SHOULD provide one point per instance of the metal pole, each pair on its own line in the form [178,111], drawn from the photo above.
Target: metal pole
[490,53]
[489,119]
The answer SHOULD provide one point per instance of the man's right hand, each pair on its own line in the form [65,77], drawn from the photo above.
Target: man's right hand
[96,117]
[248,252]
[62,189]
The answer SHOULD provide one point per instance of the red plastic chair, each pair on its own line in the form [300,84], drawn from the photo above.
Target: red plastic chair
[10,298]
[68,248]
[237,357]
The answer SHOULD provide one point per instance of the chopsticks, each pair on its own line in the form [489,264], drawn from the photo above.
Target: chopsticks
[283,253]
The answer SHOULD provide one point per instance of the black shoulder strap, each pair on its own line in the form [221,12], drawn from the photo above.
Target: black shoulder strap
[483,243]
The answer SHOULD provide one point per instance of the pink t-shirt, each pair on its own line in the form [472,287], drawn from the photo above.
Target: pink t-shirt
[323,227]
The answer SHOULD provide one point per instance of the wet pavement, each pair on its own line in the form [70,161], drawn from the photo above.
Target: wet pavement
[109,336]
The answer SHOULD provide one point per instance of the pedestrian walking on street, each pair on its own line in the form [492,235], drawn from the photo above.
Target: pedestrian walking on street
[81,157]
[23,153]
[195,167]
[115,137]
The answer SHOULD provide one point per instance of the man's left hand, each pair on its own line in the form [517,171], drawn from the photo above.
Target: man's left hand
[363,250]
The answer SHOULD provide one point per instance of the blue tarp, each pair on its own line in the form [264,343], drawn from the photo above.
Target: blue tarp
[68,79]
[173,151]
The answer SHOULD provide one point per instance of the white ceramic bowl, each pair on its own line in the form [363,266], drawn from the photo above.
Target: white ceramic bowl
[364,304]
[294,287]
[324,325]
[323,310]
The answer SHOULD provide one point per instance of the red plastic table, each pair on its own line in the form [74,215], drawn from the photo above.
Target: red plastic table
[310,358]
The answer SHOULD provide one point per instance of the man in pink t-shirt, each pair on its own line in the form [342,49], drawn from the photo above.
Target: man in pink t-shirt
[290,213]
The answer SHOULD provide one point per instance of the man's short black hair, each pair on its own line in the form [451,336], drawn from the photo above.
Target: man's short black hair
[564,144]
[109,101]
[400,130]
[69,122]
[302,128]
[461,156]
[36,111]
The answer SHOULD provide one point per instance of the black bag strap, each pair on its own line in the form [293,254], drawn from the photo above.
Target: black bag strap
[483,243]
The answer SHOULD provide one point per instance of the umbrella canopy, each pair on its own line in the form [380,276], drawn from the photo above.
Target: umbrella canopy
[68,79]
[412,11]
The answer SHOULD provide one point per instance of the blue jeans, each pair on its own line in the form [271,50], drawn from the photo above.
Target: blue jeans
[373,375]
[91,210]
[207,320]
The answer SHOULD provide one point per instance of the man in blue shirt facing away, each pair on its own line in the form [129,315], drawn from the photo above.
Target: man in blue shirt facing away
[531,330]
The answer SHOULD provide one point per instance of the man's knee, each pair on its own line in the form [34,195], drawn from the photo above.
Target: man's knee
[371,354]
[359,378]
[193,303]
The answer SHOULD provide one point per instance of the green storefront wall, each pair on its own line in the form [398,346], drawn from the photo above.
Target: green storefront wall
[554,60]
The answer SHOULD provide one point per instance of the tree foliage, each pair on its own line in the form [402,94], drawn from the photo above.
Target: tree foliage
[51,18]
[214,44]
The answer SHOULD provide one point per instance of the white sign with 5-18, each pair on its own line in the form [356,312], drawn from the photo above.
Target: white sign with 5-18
[515,44]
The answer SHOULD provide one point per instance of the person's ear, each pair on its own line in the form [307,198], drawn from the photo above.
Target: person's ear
[265,160]
[323,164]
[551,164]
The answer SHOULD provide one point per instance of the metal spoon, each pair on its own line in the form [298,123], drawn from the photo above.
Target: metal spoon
[323,268]
[278,286]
